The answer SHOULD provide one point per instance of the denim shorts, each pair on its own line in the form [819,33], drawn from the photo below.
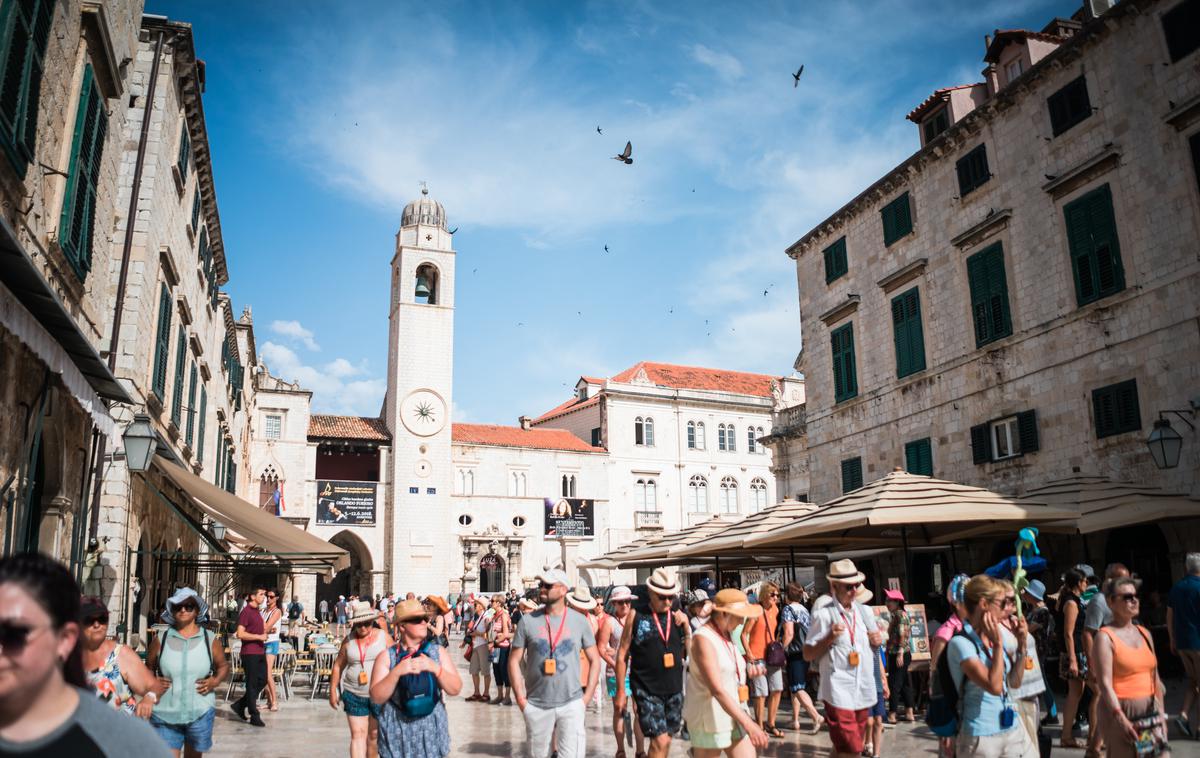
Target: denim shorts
[273,648]
[356,705]
[197,735]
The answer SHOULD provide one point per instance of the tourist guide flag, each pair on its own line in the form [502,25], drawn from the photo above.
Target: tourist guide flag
[570,517]
[345,503]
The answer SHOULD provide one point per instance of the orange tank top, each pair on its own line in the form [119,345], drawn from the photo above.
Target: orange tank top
[1132,667]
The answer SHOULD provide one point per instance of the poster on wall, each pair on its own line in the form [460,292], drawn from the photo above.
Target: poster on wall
[570,517]
[345,503]
[918,641]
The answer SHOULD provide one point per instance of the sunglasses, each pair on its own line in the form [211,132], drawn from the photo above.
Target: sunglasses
[270,597]
[14,637]
[420,620]
[1128,597]
[93,620]
[1007,602]
[546,586]
[191,607]
[847,585]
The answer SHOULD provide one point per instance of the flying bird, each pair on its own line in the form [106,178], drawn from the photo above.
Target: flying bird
[625,156]
[606,248]
[455,229]
[796,77]
[764,293]
[598,130]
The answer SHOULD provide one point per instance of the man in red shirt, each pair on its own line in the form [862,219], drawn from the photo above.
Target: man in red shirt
[254,659]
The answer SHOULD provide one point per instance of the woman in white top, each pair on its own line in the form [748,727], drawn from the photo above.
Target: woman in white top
[272,620]
[714,705]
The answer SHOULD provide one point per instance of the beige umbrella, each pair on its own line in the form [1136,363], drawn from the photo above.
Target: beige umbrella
[735,537]
[656,551]
[903,509]
[609,560]
[1100,503]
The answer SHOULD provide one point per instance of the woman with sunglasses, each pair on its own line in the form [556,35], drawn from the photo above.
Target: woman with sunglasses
[401,736]
[114,670]
[272,619]
[350,681]
[1072,659]
[190,663]
[1131,716]
[46,707]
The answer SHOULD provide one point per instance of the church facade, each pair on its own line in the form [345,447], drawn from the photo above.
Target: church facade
[428,505]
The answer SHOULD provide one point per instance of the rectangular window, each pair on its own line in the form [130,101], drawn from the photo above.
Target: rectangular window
[273,426]
[897,219]
[1069,106]
[1194,142]
[1004,438]
[76,229]
[638,435]
[906,328]
[596,437]
[691,436]
[203,415]
[185,152]
[1013,70]
[180,362]
[196,211]
[835,260]
[989,295]
[162,344]
[26,28]
[852,477]
[972,170]
[1116,409]
[731,439]
[191,407]
[1095,251]
[1181,24]
[721,437]
[936,124]
[845,375]
[751,441]
[918,457]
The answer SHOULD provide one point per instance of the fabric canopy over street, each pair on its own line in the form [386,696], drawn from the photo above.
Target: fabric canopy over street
[265,537]
[1099,503]
[657,551]
[903,509]
[735,537]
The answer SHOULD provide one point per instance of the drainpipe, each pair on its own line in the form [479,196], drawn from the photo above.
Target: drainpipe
[126,249]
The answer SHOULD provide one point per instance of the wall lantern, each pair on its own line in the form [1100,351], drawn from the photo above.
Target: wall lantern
[218,531]
[140,444]
[1164,442]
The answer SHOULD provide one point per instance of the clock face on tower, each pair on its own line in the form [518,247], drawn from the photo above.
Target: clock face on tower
[423,413]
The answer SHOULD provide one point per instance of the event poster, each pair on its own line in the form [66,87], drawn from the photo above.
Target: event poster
[345,503]
[918,640]
[570,517]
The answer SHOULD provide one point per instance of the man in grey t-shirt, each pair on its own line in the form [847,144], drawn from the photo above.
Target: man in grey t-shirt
[544,670]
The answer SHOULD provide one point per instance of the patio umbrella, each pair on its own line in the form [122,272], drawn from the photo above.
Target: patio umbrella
[661,549]
[609,559]
[734,539]
[1099,503]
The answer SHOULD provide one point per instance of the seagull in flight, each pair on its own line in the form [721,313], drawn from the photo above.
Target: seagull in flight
[606,248]
[598,130]
[796,76]
[625,156]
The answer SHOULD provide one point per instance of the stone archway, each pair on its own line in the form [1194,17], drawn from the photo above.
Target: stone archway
[352,580]
[491,573]
[506,549]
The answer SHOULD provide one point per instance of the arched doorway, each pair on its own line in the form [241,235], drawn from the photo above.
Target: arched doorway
[1143,549]
[352,580]
[491,573]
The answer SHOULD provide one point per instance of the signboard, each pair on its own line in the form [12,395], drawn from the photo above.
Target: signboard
[918,641]
[345,503]
[570,517]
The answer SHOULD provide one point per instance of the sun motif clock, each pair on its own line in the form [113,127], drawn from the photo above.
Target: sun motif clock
[423,413]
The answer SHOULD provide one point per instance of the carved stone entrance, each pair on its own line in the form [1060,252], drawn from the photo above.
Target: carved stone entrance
[491,561]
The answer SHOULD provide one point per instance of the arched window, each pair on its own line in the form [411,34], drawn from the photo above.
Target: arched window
[700,435]
[728,495]
[698,494]
[516,483]
[721,445]
[521,484]
[270,491]
[568,485]
[466,481]
[691,435]
[643,431]
[645,495]
[731,438]
[751,440]
[758,494]
[572,485]
[425,288]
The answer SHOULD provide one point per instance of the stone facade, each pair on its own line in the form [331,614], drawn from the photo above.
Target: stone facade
[1129,142]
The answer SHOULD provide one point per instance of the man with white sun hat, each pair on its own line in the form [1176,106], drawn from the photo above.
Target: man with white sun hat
[653,646]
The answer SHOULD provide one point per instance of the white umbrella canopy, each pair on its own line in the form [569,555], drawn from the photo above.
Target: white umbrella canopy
[907,509]
[667,546]
[1100,503]
[737,536]
[609,560]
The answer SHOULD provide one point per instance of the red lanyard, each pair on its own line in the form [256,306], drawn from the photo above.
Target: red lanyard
[362,654]
[850,622]
[665,637]
[556,637]
[737,671]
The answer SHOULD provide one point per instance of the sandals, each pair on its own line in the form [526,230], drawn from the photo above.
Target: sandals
[816,727]
[774,732]
[1069,743]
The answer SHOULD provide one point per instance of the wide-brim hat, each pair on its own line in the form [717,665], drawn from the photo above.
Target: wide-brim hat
[621,593]
[361,610]
[407,610]
[662,583]
[1036,589]
[437,601]
[526,604]
[896,595]
[182,594]
[735,603]
[845,572]
[581,598]
[698,597]
[863,596]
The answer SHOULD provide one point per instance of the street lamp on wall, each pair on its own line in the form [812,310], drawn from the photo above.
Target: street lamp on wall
[140,444]
[1164,442]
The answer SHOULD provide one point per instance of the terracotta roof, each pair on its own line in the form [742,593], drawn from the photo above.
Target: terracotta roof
[348,427]
[693,378]
[572,405]
[593,379]
[938,96]
[515,436]
[1003,37]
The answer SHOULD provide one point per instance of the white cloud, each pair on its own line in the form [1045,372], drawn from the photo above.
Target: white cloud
[331,392]
[296,331]
[726,66]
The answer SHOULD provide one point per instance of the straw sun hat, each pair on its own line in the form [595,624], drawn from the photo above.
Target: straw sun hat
[735,603]
[662,583]
[581,598]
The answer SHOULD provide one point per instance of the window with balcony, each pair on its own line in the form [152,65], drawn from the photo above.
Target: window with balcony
[645,495]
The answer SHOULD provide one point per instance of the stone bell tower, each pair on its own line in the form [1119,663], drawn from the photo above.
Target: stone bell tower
[417,408]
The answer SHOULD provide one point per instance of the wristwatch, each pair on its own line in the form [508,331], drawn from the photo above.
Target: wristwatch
[153,697]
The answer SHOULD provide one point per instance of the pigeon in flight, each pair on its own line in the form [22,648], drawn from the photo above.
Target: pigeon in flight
[598,130]
[625,156]
[796,76]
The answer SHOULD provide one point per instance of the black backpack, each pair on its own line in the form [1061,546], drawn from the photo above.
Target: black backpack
[942,715]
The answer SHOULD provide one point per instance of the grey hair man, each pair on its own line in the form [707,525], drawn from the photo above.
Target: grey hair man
[1183,626]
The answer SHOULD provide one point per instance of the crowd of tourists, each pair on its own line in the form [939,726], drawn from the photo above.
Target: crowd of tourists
[709,667]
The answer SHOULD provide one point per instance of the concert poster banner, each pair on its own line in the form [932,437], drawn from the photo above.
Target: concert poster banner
[570,517]
[341,503]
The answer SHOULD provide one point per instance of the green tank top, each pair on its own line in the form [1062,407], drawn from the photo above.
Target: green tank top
[184,660]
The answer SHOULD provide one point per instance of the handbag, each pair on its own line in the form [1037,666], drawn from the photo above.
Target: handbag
[774,655]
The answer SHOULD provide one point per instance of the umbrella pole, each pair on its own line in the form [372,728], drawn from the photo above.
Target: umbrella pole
[907,569]
[792,554]
[717,571]
[953,559]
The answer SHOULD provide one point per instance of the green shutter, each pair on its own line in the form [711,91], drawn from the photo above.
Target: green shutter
[1027,431]
[196,210]
[191,406]
[845,378]
[77,225]
[909,336]
[25,26]
[897,219]
[1069,105]
[989,295]
[162,344]
[918,457]
[835,260]
[972,170]
[981,444]
[180,362]
[1095,250]
[185,152]
[203,420]
[852,477]
[1116,409]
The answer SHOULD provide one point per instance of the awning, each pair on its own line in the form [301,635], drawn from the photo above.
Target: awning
[1101,503]
[260,532]
[20,275]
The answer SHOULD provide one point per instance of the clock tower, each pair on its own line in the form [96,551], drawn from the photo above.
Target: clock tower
[417,407]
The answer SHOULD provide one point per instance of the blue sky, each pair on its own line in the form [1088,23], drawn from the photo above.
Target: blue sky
[324,117]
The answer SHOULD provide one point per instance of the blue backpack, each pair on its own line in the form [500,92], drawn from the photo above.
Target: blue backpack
[416,695]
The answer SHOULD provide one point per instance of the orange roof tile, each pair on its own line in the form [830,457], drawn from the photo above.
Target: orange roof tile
[572,405]
[348,427]
[693,378]
[938,96]
[515,436]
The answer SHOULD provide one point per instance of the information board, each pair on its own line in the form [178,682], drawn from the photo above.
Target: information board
[918,641]
[570,517]
[345,503]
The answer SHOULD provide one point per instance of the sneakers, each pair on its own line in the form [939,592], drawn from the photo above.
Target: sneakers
[1183,725]
[239,708]
[256,721]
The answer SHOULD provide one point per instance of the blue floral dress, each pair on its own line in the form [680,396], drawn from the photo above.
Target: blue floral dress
[402,737]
